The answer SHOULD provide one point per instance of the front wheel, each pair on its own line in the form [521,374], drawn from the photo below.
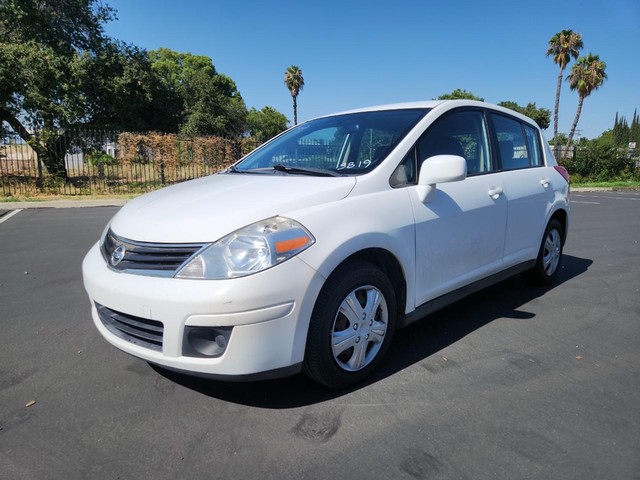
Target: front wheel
[549,256]
[351,326]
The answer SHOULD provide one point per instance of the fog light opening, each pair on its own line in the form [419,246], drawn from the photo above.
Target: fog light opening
[206,341]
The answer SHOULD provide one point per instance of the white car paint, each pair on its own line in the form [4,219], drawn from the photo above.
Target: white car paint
[443,236]
[460,235]
[229,201]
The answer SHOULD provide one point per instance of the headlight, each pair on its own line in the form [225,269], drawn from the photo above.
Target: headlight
[249,250]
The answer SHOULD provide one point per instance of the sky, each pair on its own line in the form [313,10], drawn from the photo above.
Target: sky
[362,53]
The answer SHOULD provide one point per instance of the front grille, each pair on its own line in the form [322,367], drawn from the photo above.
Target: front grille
[157,259]
[139,331]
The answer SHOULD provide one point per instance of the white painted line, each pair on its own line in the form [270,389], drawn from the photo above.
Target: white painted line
[591,203]
[617,198]
[633,199]
[6,217]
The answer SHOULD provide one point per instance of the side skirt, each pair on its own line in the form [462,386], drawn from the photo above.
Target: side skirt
[447,299]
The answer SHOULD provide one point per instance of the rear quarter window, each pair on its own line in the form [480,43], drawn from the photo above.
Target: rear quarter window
[533,146]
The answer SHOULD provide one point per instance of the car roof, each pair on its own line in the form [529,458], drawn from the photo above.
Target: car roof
[430,104]
[393,106]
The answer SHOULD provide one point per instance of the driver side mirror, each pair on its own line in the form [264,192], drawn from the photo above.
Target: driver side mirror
[440,169]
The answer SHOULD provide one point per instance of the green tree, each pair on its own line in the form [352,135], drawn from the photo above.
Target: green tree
[561,139]
[587,74]
[58,69]
[542,116]
[634,130]
[216,108]
[616,129]
[47,48]
[459,94]
[621,131]
[605,137]
[266,123]
[197,100]
[122,92]
[294,82]
[562,46]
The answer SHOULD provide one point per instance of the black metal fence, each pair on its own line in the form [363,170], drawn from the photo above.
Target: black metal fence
[102,162]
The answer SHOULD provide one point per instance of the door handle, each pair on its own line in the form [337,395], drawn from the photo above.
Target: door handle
[545,182]
[495,192]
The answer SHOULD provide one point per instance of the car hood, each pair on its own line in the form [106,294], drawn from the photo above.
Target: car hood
[209,208]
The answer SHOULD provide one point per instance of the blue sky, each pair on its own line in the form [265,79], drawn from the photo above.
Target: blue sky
[361,53]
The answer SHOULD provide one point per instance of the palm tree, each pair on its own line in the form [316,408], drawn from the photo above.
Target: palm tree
[562,46]
[587,75]
[294,82]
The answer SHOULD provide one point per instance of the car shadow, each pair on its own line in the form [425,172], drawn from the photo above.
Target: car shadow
[411,345]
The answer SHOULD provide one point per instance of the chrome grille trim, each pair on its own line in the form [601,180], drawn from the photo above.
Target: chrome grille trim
[139,331]
[152,259]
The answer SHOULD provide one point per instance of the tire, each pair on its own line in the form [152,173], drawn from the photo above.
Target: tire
[351,327]
[549,256]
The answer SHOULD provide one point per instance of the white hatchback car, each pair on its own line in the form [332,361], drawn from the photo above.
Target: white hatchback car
[309,252]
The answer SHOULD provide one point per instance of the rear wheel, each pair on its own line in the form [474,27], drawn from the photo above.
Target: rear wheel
[351,327]
[549,256]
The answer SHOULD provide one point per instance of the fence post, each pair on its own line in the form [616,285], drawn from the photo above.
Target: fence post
[39,164]
[2,176]
[162,179]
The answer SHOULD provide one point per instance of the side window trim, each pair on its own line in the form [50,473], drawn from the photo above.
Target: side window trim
[539,140]
[526,144]
[493,155]
[494,139]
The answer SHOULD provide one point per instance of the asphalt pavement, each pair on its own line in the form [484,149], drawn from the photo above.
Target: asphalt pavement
[514,382]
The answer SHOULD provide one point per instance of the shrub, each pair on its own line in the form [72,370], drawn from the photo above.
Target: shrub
[597,161]
[98,157]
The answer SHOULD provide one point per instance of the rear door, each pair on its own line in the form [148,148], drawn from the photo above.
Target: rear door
[527,184]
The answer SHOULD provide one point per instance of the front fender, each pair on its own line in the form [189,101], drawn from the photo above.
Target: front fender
[375,221]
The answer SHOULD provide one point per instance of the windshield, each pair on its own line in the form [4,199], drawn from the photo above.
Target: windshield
[348,144]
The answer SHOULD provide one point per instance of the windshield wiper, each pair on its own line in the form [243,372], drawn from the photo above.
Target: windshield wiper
[234,169]
[318,172]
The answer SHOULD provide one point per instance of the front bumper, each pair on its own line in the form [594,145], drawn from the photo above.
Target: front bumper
[269,314]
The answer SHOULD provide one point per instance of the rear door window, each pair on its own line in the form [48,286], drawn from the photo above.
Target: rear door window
[518,143]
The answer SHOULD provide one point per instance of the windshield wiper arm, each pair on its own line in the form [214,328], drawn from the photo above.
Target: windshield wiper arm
[318,172]
[234,169]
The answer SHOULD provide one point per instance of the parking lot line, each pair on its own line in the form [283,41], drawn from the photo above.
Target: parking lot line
[621,198]
[611,197]
[7,216]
